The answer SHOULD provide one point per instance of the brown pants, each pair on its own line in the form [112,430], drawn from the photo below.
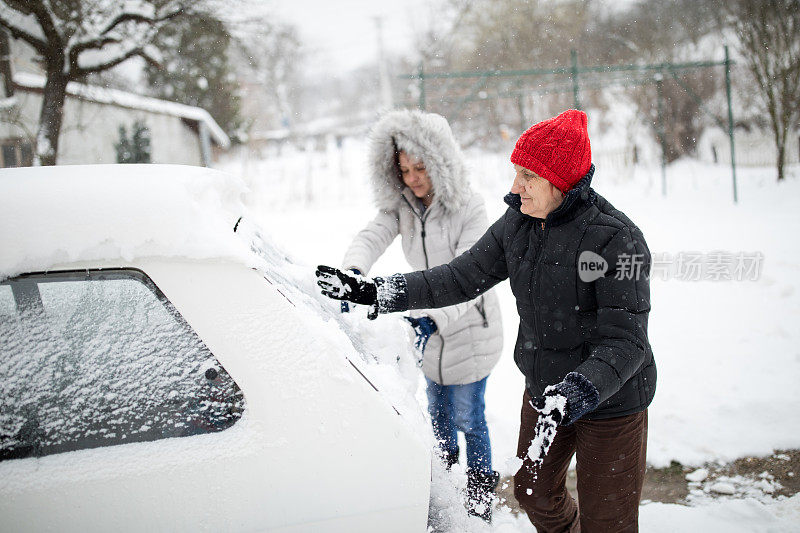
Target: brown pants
[610,469]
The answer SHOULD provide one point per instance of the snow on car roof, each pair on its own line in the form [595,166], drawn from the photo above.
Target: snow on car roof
[52,215]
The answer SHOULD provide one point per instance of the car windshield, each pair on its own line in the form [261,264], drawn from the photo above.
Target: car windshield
[97,358]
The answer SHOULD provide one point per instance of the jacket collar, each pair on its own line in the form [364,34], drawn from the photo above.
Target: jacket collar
[576,201]
[415,203]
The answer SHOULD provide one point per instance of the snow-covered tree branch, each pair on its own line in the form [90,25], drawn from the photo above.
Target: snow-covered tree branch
[103,62]
[23,26]
[142,18]
[78,37]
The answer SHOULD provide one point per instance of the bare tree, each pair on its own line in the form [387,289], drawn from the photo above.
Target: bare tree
[268,56]
[79,37]
[651,32]
[491,35]
[769,40]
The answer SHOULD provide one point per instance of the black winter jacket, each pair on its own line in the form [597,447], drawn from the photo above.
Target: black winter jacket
[597,328]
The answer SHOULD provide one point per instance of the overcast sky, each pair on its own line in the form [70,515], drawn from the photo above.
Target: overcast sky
[340,35]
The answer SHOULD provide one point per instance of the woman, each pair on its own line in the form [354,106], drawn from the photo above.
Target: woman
[419,181]
[578,270]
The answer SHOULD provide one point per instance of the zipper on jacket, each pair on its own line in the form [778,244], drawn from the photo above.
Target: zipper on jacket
[424,248]
[536,320]
[441,356]
[422,221]
[481,307]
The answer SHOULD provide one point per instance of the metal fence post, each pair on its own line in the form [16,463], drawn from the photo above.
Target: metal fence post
[421,74]
[575,89]
[730,121]
[662,131]
[523,123]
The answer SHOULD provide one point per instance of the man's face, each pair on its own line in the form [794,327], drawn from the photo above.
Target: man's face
[539,196]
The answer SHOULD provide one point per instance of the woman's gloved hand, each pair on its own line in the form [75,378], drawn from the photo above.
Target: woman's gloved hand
[424,327]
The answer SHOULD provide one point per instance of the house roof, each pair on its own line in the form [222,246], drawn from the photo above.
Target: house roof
[102,95]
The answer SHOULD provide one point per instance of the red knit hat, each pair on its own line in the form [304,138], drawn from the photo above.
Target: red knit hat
[556,149]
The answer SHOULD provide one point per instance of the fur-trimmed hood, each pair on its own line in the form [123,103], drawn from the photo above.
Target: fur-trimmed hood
[423,135]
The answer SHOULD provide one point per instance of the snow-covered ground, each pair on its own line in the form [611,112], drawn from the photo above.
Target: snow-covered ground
[725,309]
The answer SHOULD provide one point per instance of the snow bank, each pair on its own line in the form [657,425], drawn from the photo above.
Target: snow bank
[51,215]
[730,516]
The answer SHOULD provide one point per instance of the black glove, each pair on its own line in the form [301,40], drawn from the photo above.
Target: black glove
[562,404]
[424,327]
[569,400]
[350,287]
[344,306]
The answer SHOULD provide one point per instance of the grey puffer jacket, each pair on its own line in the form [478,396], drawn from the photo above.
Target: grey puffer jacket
[469,339]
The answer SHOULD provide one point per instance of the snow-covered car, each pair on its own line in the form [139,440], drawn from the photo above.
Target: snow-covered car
[158,375]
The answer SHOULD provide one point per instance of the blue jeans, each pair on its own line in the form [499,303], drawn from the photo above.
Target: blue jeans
[460,408]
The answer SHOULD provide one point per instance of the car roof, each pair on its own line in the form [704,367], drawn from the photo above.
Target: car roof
[67,214]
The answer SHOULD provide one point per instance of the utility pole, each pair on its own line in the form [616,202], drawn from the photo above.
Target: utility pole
[383,72]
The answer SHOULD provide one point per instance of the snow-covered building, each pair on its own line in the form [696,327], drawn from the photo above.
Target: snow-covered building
[93,116]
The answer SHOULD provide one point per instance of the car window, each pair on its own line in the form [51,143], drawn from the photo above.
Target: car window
[99,358]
